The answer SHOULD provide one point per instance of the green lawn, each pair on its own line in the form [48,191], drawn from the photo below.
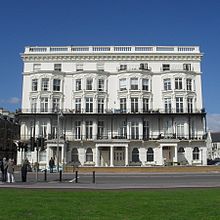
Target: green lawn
[105,205]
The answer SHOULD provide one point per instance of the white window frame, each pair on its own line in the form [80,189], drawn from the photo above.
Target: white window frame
[167,84]
[44,84]
[89,104]
[135,130]
[89,130]
[178,83]
[89,84]
[145,84]
[123,84]
[189,84]
[44,103]
[167,105]
[166,67]
[190,104]
[34,85]
[77,130]
[145,104]
[56,103]
[134,83]
[101,83]
[100,105]
[179,104]
[78,85]
[134,105]
[78,105]
[123,105]
[58,67]
[56,85]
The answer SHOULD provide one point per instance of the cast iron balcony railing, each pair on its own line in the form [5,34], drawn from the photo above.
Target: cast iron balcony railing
[115,136]
[114,111]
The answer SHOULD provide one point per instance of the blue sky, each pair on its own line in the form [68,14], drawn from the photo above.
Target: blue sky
[110,22]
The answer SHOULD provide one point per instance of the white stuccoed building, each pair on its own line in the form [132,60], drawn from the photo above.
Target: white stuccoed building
[114,105]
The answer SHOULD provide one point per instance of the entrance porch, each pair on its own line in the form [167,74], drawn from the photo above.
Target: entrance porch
[111,155]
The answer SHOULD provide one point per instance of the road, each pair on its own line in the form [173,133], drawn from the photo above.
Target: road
[119,181]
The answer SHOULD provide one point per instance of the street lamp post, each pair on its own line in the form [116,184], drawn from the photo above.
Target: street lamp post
[59,114]
[58,139]
[37,149]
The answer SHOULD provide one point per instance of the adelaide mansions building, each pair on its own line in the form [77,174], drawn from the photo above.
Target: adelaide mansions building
[113,106]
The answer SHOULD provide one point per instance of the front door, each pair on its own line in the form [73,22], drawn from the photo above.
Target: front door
[167,155]
[119,157]
[105,157]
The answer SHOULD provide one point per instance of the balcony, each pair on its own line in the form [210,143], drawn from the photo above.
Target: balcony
[120,137]
[113,111]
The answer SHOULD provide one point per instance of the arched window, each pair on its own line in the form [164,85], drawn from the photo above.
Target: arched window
[89,155]
[150,155]
[181,150]
[74,155]
[196,153]
[135,155]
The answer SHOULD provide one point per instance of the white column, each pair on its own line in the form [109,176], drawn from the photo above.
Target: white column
[62,154]
[141,130]
[111,156]
[126,155]
[97,157]
[95,105]
[175,154]
[160,156]
[201,156]
[83,130]
[95,129]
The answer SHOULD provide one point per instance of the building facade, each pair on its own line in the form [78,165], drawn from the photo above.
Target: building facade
[213,145]
[113,105]
[9,134]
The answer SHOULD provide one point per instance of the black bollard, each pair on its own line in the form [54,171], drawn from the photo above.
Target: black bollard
[60,175]
[76,177]
[45,175]
[93,177]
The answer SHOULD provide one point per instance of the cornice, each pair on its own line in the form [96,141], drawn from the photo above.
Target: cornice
[110,57]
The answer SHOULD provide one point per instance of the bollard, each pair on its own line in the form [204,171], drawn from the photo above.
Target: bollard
[60,175]
[76,177]
[93,177]
[45,175]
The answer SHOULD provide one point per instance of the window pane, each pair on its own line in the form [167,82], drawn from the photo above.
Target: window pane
[89,84]
[134,83]
[167,84]
[78,84]
[45,84]
[56,85]
[34,84]
[57,67]
[122,84]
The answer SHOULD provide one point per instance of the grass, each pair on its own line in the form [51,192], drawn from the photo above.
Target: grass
[178,204]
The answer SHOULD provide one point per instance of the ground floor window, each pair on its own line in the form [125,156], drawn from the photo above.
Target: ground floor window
[42,155]
[196,153]
[74,155]
[89,155]
[135,155]
[150,155]
[181,150]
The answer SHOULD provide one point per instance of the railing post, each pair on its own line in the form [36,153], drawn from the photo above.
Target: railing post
[45,175]
[76,176]
[93,177]
[60,175]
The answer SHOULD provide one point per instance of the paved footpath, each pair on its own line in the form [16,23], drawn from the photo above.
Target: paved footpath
[115,181]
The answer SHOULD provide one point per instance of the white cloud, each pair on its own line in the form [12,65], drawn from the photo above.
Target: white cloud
[13,100]
[213,122]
